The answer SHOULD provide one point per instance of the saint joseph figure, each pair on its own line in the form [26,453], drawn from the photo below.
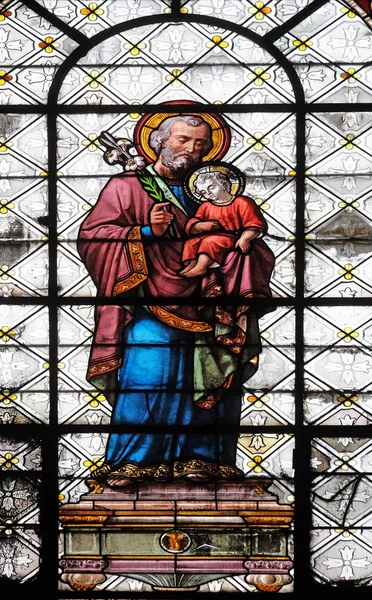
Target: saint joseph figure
[178,367]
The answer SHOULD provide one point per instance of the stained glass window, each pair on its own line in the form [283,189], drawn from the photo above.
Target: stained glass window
[185,337]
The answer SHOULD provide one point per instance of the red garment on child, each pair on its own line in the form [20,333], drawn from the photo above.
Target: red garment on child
[240,214]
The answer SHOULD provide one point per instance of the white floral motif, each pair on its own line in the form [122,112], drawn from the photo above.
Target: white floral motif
[285,272]
[40,270]
[344,494]
[219,8]
[4,98]
[11,557]
[94,419]
[308,74]
[258,169]
[314,141]
[352,41]
[348,292]
[315,463]
[287,140]
[346,420]
[350,119]
[9,495]
[351,96]
[95,441]
[312,205]
[258,53]
[41,143]
[134,78]
[92,119]
[6,418]
[258,420]
[5,172]
[44,76]
[67,465]
[347,367]
[349,169]
[8,362]
[293,7]
[6,45]
[217,77]
[346,562]
[132,10]
[63,12]
[90,168]
[258,439]
[176,45]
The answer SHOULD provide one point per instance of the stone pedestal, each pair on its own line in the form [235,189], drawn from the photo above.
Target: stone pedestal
[177,534]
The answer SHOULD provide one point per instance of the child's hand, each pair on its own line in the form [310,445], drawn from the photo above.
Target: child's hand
[205,226]
[244,244]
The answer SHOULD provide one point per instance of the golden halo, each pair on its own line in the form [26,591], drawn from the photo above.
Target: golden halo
[146,125]
[235,176]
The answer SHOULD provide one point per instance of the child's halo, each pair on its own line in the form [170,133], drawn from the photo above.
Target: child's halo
[235,176]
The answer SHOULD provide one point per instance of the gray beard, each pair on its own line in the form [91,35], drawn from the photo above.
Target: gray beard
[176,161]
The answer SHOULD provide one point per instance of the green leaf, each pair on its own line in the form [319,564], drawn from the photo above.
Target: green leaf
[150,186]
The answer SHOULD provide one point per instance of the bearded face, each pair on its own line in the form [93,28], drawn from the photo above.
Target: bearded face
[178,161]
[184,147]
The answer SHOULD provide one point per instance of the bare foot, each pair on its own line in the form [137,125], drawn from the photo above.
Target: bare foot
[198,477]
[196,271]
[189,266]
[119,481]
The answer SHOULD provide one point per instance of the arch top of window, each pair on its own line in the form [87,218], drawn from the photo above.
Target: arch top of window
[217,42]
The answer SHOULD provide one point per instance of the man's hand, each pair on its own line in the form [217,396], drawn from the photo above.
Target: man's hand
[205,226]
[160,218]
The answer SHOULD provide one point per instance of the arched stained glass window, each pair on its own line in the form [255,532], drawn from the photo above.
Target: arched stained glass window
[185,362]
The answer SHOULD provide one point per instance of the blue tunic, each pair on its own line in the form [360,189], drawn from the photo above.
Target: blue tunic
[156,388]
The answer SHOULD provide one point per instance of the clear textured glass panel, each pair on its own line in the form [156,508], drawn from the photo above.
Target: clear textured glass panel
[338,365]
[30,39]
[344,39]
[340,541]
[92,17]
[272,404]
[259,17]
[176,61]
[19,456]
[24,355]
[339,143]
[338,269]
[78,401]
[19,554]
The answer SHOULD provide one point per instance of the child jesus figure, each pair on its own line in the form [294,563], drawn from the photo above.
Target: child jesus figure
[223,222]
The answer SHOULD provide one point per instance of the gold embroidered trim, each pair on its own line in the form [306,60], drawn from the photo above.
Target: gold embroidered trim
[138,261]
[214,396]
[173,320]
[235,344]
[223,316]
[195,465]
[163,472]
[158,472]
[104,367]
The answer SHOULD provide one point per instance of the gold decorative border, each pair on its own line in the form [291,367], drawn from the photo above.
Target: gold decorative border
[104,367]
[138,261]
[169,318]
